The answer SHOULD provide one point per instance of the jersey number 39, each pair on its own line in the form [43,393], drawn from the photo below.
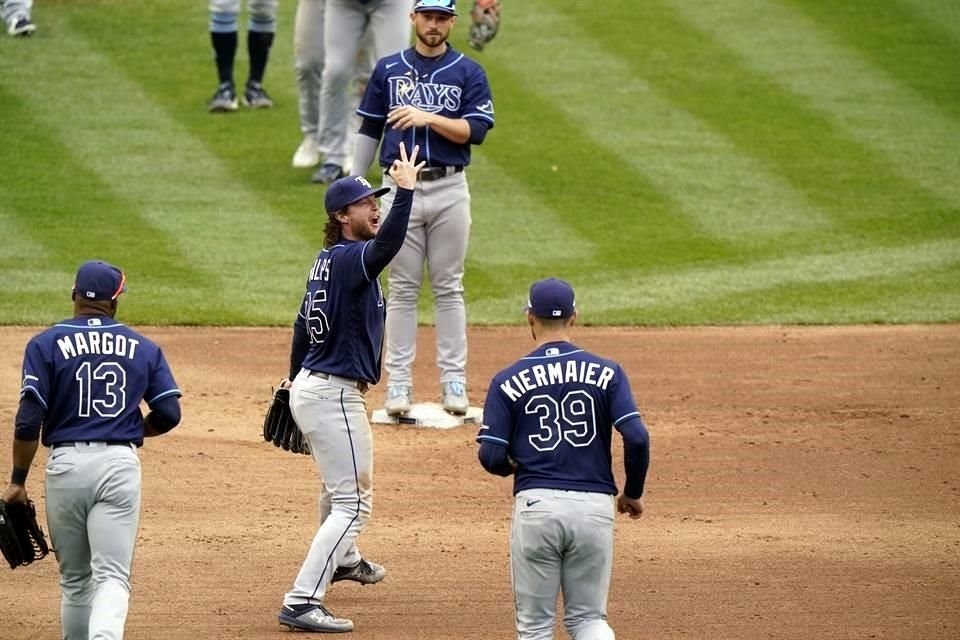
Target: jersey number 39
[571,420]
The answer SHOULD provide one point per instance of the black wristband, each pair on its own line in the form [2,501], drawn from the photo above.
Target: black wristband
[19,476]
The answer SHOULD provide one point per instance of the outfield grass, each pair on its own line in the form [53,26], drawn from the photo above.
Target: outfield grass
[680,162]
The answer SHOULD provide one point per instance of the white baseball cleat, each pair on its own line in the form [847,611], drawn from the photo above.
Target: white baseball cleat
[399,399]
[313,618]
[454,397]
[307,154]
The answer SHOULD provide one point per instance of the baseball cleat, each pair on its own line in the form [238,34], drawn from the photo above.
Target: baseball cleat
[313,617]
[454,398]
[363,572]
[21,27]
[307,154]
[328,174]
[256,97]
[399,399]
[224,100]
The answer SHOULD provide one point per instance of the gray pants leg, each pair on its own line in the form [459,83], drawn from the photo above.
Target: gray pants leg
[93,512]
[346,23]
[308,61]
[562,539]
[437,238]
[11,8]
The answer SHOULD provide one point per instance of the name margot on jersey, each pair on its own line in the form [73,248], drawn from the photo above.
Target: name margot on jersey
[97,343]
[556,373]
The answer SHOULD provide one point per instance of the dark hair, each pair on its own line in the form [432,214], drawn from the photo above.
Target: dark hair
[554,323]
[333,229]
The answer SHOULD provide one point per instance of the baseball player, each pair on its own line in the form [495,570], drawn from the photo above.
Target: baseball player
[346,22]
[436,97]
[334,358]
[548,420]
[223,35]
[83,381]
[309,57]
[16,15]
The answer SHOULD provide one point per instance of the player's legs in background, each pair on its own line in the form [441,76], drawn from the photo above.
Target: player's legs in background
[223,37]
[334,419]
[308,70]
[404,280]
[448,233]
[345,22]
[586,568]
[112,525]
[536,556]
[263,25]
[390,27]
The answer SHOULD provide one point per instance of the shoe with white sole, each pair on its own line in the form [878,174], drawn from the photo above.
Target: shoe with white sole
[307,154]
[21,27]
[454,397]
[363,572]
[224,100]
[399,400]
[313,617]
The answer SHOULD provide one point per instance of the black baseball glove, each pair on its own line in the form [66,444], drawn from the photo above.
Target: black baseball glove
[21,538]
[280,428]
[484,23]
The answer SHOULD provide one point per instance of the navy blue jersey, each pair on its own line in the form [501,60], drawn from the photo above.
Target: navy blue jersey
[90,373]
[554,410]
[453,86]
[344,313]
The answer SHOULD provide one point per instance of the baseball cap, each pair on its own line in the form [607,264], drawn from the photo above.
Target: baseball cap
[444,6]
[551,298]
[99,280]
[346,191]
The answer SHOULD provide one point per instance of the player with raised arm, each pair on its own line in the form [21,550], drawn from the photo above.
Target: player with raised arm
[335,357]
[548,420]
[83,381]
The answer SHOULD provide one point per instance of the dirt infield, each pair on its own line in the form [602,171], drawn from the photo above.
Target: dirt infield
[805,483]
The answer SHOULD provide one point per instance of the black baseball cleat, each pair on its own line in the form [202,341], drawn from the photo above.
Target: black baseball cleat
[313,617]
[21,27]
[224,100]
[328,174]
[363,572]
[256,97]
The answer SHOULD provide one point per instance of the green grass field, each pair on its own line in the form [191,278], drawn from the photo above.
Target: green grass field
[680,162]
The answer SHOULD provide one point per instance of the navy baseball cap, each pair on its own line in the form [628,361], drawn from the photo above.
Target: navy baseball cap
[443,6]
[345,191]
[551,298]
[99,280]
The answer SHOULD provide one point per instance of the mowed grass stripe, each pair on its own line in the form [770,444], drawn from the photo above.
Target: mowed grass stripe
[722,191]
[147,158]
[637,298]
[919,55]
[852,184]
[916,138]
[940,14]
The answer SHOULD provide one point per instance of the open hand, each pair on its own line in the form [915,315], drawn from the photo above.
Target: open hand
[404,170]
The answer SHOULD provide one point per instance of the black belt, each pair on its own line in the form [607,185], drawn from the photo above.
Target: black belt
[361,385]
[429,174]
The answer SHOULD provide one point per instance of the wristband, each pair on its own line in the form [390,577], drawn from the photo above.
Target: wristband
[19,476]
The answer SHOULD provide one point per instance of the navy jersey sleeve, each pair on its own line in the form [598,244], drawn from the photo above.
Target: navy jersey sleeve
[161,383]
[37,372]
[477,97]
[622,405]
[373,105]
[497,424]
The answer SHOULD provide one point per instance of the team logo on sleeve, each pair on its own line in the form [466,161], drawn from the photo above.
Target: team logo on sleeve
[431,97]
[486,107]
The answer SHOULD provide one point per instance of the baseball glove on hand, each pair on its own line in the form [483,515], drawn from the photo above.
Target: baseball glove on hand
[280,428]
[21,538]
[484,23]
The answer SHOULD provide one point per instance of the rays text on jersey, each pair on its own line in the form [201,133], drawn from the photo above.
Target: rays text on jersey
[427,96]
[542,375]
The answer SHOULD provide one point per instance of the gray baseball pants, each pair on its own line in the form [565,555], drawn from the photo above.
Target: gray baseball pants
[331,413]
[562,540]
[437,238]
[11,8]
[93,512]
[346,21]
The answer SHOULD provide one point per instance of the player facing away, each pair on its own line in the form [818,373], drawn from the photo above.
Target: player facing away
[548,420]
[433,96]
[334,358]
[83,381]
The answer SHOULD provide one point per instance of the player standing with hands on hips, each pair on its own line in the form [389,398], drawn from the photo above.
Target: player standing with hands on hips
[83,381]
[334,358]
[548,420]
[433,96]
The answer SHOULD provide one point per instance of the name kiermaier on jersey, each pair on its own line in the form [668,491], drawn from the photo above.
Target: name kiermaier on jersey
[542,375]
[97,343]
